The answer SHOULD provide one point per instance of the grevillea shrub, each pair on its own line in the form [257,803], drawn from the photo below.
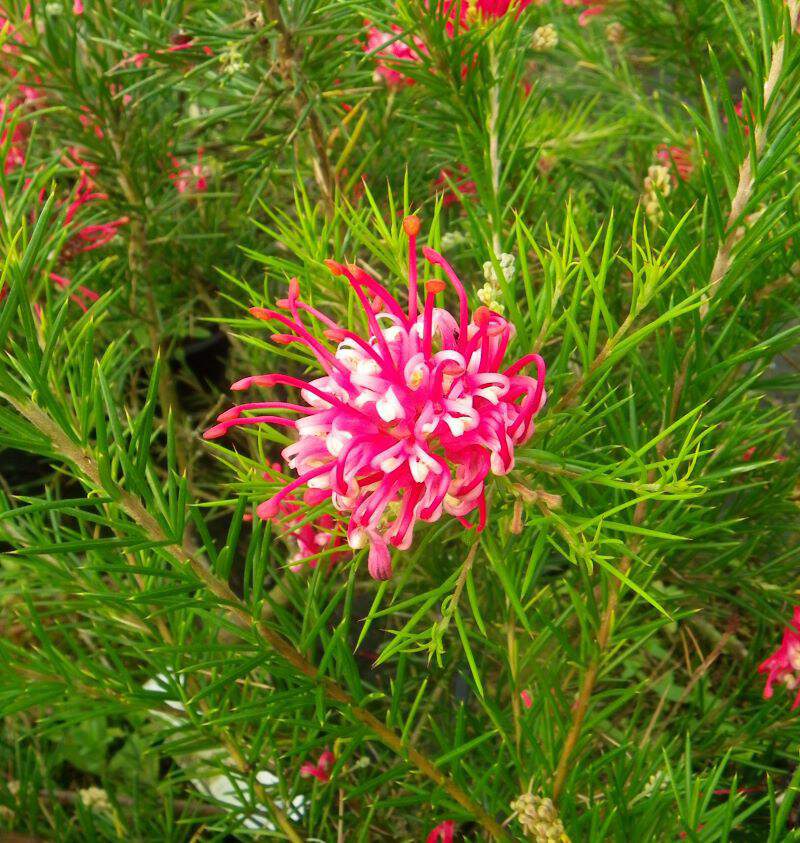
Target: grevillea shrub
[397,418]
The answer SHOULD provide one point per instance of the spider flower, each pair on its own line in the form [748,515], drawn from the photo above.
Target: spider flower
[406,423]
[783,666]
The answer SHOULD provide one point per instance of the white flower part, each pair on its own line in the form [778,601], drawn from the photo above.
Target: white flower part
[421,463]
[794,656]
[507,267]
[321,481]
[496,463]
[419,470]
[388,465]
[357,539]
[392,333]
[451,239]
[389,407]
[309,426]
[349,353]
[544,38]
[457,424]
[366,396]
[336,440]
[368,366]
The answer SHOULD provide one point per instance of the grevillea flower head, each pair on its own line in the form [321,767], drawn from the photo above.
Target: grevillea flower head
[443,833]
[391,54]
[189,179]
[321,770]
[678,158]
[591,9]
[407,422]
[783,666]
[454,186]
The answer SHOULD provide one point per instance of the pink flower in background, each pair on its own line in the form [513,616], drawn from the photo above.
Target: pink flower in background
[443,833]
[89,121]
[391,51]
[18,140]
[592,9]
[497,8]
[392,54]
[454,185]
[783,666]
[526,698]
[77,7]
[82,296]
[678,158]
[87,238]
[322,769]
[191,179]
[408,422]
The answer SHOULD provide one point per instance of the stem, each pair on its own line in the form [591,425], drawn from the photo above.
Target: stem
[590,677]
[744,189]
[239,615]
[290,56]
[494,144]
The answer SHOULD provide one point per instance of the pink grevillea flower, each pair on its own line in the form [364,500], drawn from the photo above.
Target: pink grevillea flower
[77,7]
[592,9]
[496,8]
[678,159]
[87,238]
[443,833]
[526,698]
[191,179]
[13,134]
[82,296]
[406,423]
[391,54]
[783,665]
[454,186]
[322,769]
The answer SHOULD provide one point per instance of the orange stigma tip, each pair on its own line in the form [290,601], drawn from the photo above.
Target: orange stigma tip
[435,286]
[259,312]
[411,226]
[335,267]
[481,316]
[283,339]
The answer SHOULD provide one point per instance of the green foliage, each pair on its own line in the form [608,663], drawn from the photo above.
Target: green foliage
[639,562]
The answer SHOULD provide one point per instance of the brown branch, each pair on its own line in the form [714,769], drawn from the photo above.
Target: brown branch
[240,616]
[744,189]
[590,677]
[289,58]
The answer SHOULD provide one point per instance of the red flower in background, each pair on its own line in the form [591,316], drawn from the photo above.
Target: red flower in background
[322,769]
[443,833]
[592,9]
[783,666]
[189,179]
[454,185]
[678,158]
